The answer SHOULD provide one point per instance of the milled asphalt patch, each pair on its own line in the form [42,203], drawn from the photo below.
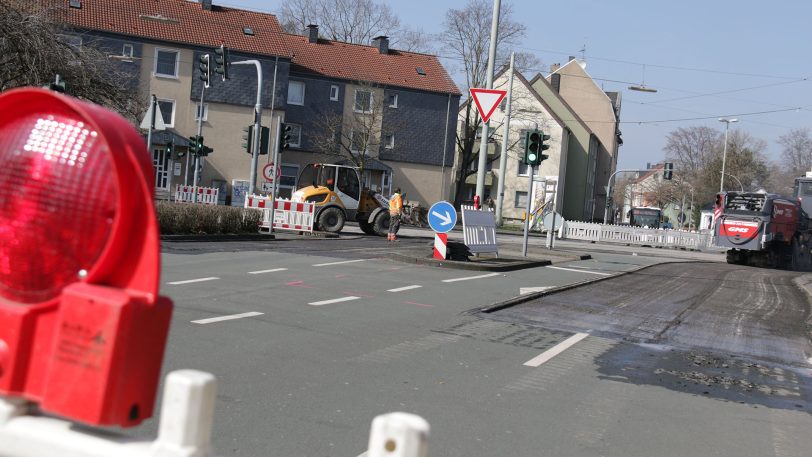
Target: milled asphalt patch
[503,263]
[534,295]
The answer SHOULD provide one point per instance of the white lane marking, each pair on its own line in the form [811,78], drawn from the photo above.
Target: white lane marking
[338,263]
[580,271]
[227,318]
[471,277]
[555,350]
[401,289]
[335,300]
[530,290]
[189,281]
[266,271]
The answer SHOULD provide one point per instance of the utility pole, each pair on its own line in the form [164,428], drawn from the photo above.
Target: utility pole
[500,195]
[483,142]
[252,180]
[199,133]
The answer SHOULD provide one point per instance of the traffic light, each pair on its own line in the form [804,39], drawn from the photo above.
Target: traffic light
[196,144]
[82,327]
[205,151]
[264,140]
[248,138]
[169,148]
[284,136]
[534,146]
[205,70]
[668,171]
[221,61]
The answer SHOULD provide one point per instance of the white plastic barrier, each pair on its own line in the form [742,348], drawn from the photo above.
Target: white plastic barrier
[205,195]
[184,430]
[637,235]
[288,215]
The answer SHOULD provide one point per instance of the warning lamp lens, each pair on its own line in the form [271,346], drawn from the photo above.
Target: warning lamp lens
[58,201]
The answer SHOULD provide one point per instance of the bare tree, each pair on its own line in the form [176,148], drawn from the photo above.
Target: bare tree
[691,148]
[360,135]
[36,45]
[797,153]
[351,21]
[466,37]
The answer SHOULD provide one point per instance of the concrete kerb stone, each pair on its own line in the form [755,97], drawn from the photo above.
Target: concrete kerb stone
[804,283]
[534,295]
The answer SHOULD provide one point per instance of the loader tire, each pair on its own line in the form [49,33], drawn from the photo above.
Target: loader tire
[381,224]
[366,227]
[332,220]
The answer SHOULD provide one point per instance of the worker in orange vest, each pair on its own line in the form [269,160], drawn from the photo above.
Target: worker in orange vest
[395,210]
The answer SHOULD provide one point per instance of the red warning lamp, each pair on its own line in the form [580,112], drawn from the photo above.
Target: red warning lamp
[82,328]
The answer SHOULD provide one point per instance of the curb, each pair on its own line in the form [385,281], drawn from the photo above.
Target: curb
[251,237]
[532,296]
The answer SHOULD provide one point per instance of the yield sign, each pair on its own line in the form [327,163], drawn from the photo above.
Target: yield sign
[487,100]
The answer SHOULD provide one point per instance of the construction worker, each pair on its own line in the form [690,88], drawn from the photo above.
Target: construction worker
[395,210]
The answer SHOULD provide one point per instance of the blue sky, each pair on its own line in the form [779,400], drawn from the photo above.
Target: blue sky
[707,59]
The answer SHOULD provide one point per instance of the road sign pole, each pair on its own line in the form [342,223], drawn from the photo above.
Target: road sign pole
[500,193]
[483,146]
[199,133]
[527,209]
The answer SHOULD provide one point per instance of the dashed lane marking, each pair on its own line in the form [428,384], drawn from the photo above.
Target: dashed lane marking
[266,271]
[189,281]
[226,318]
[338,263]
[555,350]
[471,277]
[334,300]
[530,290]
[580,271]
[401,289]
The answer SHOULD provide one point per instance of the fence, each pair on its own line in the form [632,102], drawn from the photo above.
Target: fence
[637,235]
[288,215]
[206,195]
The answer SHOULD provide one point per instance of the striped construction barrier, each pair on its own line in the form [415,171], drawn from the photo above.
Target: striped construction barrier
[440,246]
[479,229]
[288,215]
[205,195]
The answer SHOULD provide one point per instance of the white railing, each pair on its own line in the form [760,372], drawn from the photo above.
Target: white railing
[637,235]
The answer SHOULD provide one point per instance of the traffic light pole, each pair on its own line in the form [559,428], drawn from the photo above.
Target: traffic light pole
[197,156]
[252,180]
[500,185]
[527,208]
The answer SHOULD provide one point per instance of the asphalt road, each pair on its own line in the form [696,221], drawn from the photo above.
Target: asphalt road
[332,333]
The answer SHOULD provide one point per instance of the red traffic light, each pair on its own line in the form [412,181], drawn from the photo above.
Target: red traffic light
[82,328]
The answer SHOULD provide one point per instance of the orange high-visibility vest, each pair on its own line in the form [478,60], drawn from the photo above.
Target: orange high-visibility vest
[395,204]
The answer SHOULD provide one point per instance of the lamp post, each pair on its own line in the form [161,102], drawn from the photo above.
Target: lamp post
[724,154]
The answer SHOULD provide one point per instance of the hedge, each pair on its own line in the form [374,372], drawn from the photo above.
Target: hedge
[196,219]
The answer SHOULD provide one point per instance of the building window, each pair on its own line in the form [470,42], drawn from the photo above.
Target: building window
[392,100]
[334,93]
[389,141]
[287,180]
[127,51]
[73,41]
[363,101]
[205,112]
[360,142]
[166,63]
[167,108]
[523,167]
[295,134]
[520,200]
[296,93]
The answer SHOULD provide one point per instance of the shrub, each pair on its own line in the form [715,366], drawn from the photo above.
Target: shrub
[195,219]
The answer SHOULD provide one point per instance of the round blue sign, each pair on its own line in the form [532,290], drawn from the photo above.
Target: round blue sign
[442,217]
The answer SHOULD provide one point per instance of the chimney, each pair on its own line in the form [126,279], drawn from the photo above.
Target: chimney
[382,43]
[554,67]
[555,81]
[571,59]
[206,4]
[313,33]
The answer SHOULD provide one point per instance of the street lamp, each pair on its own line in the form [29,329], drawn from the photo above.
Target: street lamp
[724,154]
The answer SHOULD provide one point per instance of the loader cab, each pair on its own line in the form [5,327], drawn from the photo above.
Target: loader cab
[326,183]
[803,192]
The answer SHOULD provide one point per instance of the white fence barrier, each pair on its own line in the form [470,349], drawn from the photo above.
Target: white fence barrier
[205,195]
[637,235]
[288,215]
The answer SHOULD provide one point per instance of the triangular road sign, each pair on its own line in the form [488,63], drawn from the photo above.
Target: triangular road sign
[159,120]
[487,100]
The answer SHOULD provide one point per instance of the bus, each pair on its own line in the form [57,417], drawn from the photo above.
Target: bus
[644,216]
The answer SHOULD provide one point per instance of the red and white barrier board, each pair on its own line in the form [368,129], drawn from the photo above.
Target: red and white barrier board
[205,195]
[288,215]
[440,246]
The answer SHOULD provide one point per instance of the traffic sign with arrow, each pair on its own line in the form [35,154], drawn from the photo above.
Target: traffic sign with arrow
[442,217]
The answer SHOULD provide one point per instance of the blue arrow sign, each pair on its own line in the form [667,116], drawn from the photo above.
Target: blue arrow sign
[442,217]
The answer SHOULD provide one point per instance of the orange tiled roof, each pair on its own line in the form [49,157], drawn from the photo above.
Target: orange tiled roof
[364,63]
[179,21]
[185,21]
